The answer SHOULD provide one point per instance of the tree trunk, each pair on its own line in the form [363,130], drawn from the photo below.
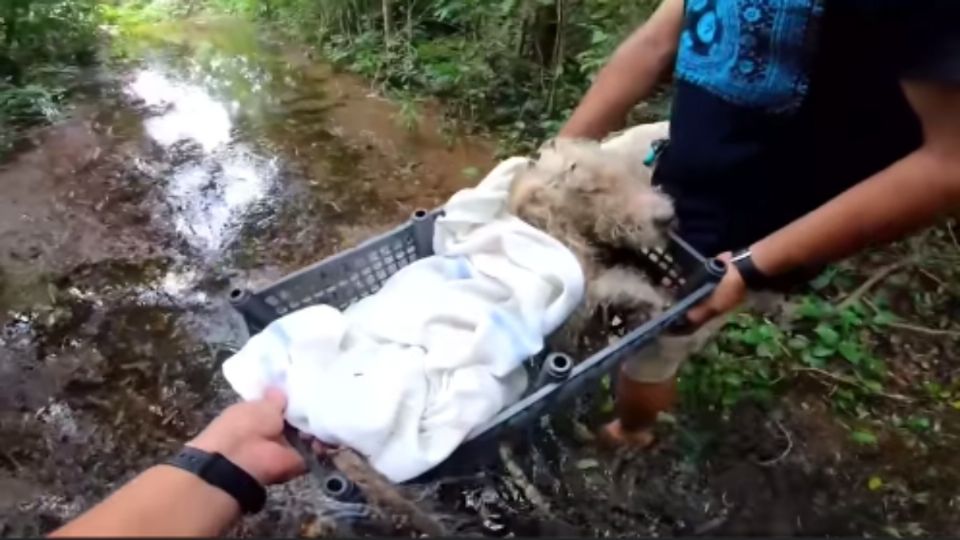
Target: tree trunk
[409,27]
[387,21]
[557,54]
[543,33]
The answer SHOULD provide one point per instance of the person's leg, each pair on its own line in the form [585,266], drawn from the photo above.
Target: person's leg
[647,385]
[647,382]
[637,405]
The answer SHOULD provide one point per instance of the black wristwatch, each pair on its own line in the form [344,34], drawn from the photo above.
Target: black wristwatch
[220,472]
[754,279]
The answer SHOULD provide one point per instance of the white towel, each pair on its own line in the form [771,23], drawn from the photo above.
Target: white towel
[403,376]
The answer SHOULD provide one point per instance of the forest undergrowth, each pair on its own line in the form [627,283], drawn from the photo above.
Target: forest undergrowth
[874,339]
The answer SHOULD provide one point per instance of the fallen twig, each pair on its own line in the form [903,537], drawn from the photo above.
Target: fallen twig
[953,236]
[786,451]
[877,277]
[383,493]
[13,461]
[850,381]
[530,491]
[915,328]
[933,277]
[710,525]
[924,330]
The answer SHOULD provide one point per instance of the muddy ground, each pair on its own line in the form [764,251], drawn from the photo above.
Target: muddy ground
[207,155]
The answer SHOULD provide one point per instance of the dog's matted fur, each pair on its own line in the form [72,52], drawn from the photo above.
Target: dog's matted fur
[597,203]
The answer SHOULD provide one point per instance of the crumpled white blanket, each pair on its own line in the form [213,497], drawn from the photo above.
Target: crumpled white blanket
[403,376]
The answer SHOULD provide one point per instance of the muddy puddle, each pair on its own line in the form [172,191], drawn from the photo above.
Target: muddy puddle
[205,154]
[201,155]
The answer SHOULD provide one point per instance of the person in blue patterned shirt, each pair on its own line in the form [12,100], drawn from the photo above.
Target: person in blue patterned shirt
[801,132]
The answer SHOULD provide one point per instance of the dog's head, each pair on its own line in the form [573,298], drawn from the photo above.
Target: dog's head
[597,193]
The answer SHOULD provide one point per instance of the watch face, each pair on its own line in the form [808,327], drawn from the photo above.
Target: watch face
[740,256]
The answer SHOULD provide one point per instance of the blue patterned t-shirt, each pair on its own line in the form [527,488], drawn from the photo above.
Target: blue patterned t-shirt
[754,53]
[780,105]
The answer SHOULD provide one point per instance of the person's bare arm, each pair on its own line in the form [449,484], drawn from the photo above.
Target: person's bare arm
[168,501]
[161,501]
[631,74]
[912,193]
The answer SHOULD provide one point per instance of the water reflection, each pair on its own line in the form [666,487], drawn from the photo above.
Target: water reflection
[192,113]
[221,178]
[232,110]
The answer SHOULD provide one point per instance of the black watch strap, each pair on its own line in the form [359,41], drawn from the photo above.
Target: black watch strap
[220,472]
[753,278]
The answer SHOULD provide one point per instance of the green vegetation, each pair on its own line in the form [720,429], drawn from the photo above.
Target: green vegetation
[867,344]
[41,44]
[516,67]
[752,355]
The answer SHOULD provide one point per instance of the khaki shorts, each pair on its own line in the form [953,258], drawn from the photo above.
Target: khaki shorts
[661,361]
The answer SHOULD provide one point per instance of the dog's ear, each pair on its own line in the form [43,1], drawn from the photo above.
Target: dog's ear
[531,206]
[581,180]
[547,146]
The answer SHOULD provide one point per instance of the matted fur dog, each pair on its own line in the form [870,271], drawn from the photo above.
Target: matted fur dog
[596,202]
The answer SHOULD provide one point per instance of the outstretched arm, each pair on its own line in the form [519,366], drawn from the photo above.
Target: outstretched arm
[168,501]
[161,501]
[912,193]
[631,74]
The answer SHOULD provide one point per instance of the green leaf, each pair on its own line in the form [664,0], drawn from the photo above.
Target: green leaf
[932,388]
[863,437]
[919,424]
[607,406]
[874,366]
[850,319]
[851,351]
[798,343]
[809,359]
[598,36]
[732,337]
[858,308]
[822,351]
[824,279]
[770,332]
[733,379]
[845,399]
[811,308]
[471,172]
[744,320]
[874,386]
[815,308]
[753,336]
[764,350]
[828,336]
[883,318]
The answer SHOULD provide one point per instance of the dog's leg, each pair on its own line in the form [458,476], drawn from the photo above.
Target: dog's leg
[625,287]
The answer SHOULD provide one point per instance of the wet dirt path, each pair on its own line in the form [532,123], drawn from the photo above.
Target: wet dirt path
[208,156]
[212,155]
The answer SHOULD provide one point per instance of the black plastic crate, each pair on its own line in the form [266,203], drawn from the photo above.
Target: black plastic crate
[346,277]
